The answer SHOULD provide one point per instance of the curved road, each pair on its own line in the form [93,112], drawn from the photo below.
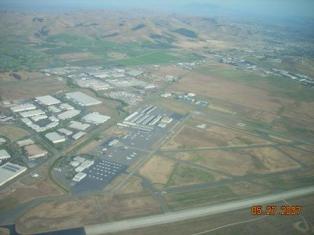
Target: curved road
[173,217]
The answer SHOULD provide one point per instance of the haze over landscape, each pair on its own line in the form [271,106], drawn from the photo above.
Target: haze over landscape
[181,117]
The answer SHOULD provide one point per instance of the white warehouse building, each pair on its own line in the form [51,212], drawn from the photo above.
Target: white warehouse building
[47,100]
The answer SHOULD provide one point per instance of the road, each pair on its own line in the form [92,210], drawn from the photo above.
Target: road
[173,217]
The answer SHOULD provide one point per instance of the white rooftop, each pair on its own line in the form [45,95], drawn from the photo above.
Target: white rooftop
[9,171]
[79,126]
[96,118]
[25,142]
[23,107]
[82,99]
[55,138]
[47,100]
[68,114]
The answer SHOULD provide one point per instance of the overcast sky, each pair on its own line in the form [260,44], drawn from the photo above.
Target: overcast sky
[280,8]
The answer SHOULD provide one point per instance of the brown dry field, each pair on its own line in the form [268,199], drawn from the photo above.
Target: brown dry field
[303,156]
[230,91]
[249,189]
[174,106]
[87,149]
[12,90]
[157,170]
[226,162]
[250,161]
[301,111]
[89,210]
[212,136]
[78,56]
[271,160]
[24,193]
[12,132]
[165,70]
[133,185]
[25,75]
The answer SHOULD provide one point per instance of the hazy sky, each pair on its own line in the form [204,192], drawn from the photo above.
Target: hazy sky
[280,8]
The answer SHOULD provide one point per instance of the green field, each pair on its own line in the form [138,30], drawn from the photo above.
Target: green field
[187,175]
[183,200]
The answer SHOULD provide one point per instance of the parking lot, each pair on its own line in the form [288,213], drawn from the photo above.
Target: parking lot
[98,176]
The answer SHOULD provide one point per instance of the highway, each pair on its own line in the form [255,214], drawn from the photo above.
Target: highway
[173,217]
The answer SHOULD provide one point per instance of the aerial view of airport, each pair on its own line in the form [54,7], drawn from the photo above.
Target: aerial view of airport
[192,117]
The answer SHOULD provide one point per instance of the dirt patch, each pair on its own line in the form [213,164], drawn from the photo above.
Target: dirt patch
[134,185]
[157,170]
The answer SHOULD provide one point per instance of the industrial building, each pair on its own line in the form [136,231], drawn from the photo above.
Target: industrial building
[82,99]
[55,138]
[69,114]
[66,106]
[78,135]
[79,176]
[34,152]
[25,142]
[79,126]
[96,118]
[39,117]
[9,171]
[65,131]
[144,119]
[47,100]
[32,113]
[84,165]
[23,107]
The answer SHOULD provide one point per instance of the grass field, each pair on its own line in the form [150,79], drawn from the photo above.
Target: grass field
[184,175]
[182,200]
[12,132]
